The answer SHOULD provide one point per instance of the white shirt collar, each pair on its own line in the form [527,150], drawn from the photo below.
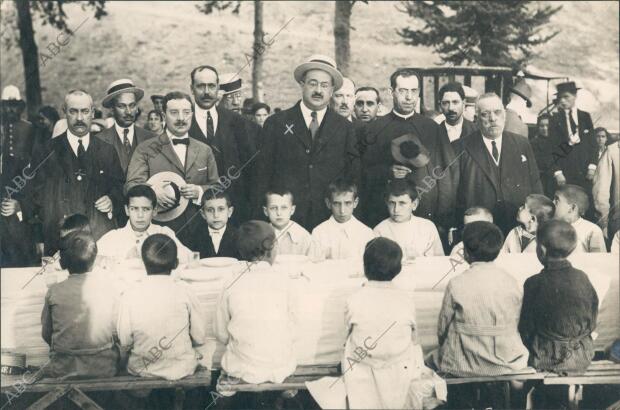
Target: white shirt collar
[403,115]
[201,117]
[171,136]
[221,231]
[307,114]
[119,131]
[289,230]
[73,141]
[488,142]
[458,125]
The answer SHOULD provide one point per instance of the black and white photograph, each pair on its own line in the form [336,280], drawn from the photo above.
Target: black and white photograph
[344,204]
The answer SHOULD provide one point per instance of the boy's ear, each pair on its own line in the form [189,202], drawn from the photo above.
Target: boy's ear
[416,203]
[356,202]
[293,210]
[265,211]
[127,211]
[327,203]
[231,209]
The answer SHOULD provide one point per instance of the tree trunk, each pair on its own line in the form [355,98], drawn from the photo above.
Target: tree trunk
[342,29]
[30,55]
[259,50]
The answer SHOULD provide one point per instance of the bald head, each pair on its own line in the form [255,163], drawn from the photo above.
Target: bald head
[79,109]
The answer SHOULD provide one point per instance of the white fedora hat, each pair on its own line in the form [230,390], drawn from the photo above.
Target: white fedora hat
[119,87]
[231,82]
[319,62]
[170,182]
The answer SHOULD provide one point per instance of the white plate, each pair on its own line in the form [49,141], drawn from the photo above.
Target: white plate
[218,262]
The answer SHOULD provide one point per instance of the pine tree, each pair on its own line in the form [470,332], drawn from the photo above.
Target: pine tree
[498,33]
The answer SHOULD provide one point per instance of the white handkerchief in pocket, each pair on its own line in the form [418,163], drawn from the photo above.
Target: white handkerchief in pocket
[523,158]
[202,169]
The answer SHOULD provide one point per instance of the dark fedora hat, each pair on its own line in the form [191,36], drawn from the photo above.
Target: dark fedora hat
[407,149]
[566,87]
[524,91]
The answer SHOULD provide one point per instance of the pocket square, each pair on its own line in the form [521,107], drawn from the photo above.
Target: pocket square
[523,158]
[100,171]
[202,169]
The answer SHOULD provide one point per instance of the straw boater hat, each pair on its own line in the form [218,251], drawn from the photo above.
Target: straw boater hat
[170,182]
[119,87]
[524,91]
[231,82]
[407,149]
[11,95]
[319,62]
[568,86]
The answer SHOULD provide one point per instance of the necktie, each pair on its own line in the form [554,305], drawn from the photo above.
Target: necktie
[571,121]
[494,151]
[184,141]
[210,131]
[126,142]
[314,125]
[80,150]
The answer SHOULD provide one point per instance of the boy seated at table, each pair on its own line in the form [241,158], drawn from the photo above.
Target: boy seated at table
[79,315]
[560,305]
[416,236]
[126,242]
[382,356]
[536,210]
[342,235]
[159,320]
[477,328]
[254,315]
[571,203]
[473,214]
[291,238]
[73,223]
[211,234]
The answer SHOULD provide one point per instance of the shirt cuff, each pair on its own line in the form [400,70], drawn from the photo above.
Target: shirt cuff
[197,200]
[20,216]
[556,173]
[592,167]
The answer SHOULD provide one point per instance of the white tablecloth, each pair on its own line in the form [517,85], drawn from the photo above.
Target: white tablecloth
[320,294]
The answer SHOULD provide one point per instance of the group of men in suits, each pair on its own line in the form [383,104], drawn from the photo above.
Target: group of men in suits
[302,148]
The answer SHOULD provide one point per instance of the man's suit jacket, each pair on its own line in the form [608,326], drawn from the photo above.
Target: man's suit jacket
[199,240]
[438,179]
[110,136]
[57,192]
[234,147]
[573,160]
[467,128]
[501,189]
[290,157]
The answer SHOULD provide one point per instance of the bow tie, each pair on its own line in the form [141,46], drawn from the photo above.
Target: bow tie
[184,141]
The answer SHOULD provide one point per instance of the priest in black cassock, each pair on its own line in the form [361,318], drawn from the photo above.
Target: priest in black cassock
[436,182]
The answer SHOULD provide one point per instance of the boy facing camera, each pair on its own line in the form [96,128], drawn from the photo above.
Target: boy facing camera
[342,235]
[81,345]
[536,210]
[163,313]
[477,328]
[560,305]
[416,236]
[571,203]
[212,235]
[254,314]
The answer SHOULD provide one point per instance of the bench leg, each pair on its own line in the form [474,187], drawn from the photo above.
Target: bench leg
[49,399]
[78,397]
[575,393]
[179,398]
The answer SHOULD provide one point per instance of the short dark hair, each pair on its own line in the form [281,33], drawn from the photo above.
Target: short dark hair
[142,191]
[176,95]
[50,113]
[257,106]
[159,254]
[558,237]
[541,207]
[482,240]
[209,195]
[403,72]
[382,259]
[78,251]
[478,210]
[279,191]
[156,112]
[255,240]
[201,68]
[575,194]
[340,185]
[368,88]
[601,129]
[451,87]
[74,223]
[400,187]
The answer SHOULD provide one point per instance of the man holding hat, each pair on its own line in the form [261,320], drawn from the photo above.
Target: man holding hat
[574,152]
[309,145]
[16,140]
[230,136]
[122,97]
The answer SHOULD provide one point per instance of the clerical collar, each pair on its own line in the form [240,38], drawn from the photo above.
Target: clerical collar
[403,116]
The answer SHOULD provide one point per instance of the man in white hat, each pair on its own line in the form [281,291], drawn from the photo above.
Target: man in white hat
[231,90]
[123,97]
[230,136]
[77,173]
[17,137]
[309,145]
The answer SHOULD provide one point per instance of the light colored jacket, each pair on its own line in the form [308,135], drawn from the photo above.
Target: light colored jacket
[606,189]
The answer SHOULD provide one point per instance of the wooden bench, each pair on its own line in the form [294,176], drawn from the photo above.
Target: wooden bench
[74,390]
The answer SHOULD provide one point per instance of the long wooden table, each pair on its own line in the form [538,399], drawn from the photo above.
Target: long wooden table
[320,294]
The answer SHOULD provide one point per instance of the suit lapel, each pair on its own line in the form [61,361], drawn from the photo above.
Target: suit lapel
[192,154]
[326,130]
[169,153]
[195,131]
[478,151]
[510,157]
[64,153]
[299,130]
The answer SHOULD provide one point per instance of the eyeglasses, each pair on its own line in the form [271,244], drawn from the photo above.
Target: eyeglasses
[487,114]
[403,92]
[314,84]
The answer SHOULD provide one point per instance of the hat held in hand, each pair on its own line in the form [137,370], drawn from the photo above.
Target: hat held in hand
[408,149]
[170,183]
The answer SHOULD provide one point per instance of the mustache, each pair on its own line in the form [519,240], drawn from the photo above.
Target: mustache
[319,95]
[207,97]
[180,123]
[80,123]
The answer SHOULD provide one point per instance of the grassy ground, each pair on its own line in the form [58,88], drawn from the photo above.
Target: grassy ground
[158,43]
